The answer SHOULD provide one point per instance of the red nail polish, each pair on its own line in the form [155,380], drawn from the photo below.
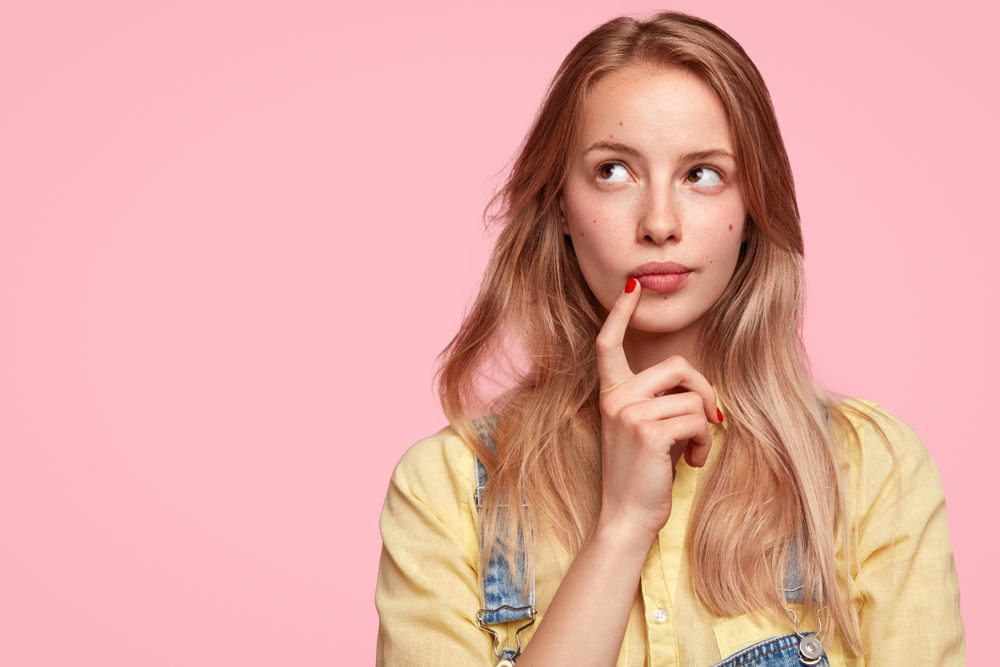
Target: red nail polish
[630,285]
[719,412]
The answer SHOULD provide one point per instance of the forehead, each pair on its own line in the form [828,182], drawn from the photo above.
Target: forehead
[670,105]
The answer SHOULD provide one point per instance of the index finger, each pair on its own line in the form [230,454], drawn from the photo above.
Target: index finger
[612,366]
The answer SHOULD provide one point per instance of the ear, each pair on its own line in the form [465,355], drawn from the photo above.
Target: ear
[562,215]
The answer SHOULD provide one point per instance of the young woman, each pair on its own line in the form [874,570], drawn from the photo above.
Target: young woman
[662,482]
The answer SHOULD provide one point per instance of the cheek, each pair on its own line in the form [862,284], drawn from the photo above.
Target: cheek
[595,244]
[731,239]
[727,249]
[595,249]
[586,223]
[720,235]
[597,219]
[726,231]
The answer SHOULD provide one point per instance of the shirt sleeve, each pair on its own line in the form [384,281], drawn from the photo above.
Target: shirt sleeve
[427,594]
[907,589]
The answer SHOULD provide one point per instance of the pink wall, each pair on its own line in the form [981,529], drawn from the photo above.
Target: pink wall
[233,237]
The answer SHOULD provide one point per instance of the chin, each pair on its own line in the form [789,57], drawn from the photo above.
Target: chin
[654,324]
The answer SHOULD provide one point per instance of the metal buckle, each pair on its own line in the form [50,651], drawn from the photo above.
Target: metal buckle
[810,647]
[496,637]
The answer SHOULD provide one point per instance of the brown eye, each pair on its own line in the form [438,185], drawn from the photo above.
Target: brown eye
[612,172]
[704,176]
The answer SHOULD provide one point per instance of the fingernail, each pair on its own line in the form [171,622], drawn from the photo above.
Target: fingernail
[719,412]
[630,285]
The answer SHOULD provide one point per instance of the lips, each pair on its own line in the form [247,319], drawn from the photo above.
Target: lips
[661,276]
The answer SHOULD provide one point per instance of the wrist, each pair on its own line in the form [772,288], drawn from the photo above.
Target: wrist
[620,533]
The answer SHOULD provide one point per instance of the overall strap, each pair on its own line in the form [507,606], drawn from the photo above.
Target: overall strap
[503,599]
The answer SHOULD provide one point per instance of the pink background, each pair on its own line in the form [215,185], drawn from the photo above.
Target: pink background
[235,235]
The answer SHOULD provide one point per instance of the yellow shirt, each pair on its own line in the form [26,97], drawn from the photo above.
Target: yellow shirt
[906,592]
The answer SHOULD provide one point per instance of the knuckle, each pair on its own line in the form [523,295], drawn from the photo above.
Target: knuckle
[675,367]
[628,416]
[604,344]
[677,362]
[646,431]
[694,403]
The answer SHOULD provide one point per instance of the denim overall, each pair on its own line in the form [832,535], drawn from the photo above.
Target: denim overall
[503,602]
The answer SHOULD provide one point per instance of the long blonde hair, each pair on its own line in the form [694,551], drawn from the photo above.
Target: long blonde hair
[775,496]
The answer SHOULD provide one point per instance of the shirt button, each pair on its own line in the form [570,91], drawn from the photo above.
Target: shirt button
[659,616]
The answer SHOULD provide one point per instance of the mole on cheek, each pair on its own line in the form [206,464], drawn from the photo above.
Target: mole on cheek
[621,122]
[730,228]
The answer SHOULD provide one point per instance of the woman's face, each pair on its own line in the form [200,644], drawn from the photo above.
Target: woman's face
[651,192]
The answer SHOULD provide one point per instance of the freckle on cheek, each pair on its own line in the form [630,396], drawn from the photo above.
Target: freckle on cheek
[595,222]
[621,122]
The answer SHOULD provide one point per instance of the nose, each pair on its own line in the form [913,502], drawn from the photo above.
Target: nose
[659,221]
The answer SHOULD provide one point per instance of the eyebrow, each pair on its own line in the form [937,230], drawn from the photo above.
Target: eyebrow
[625,149]
[704,155]
[614,147]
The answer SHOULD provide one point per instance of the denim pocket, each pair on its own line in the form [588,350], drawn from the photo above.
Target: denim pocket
[780,651]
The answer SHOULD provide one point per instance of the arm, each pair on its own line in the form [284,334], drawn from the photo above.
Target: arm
[907,589]
[428,587]
[646,420]
[428,583]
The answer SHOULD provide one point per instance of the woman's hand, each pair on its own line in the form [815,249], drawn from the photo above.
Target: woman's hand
[647,420]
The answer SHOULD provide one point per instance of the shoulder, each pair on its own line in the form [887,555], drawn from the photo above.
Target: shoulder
[882,435]
[434,462]
[889,460]
[434,477]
